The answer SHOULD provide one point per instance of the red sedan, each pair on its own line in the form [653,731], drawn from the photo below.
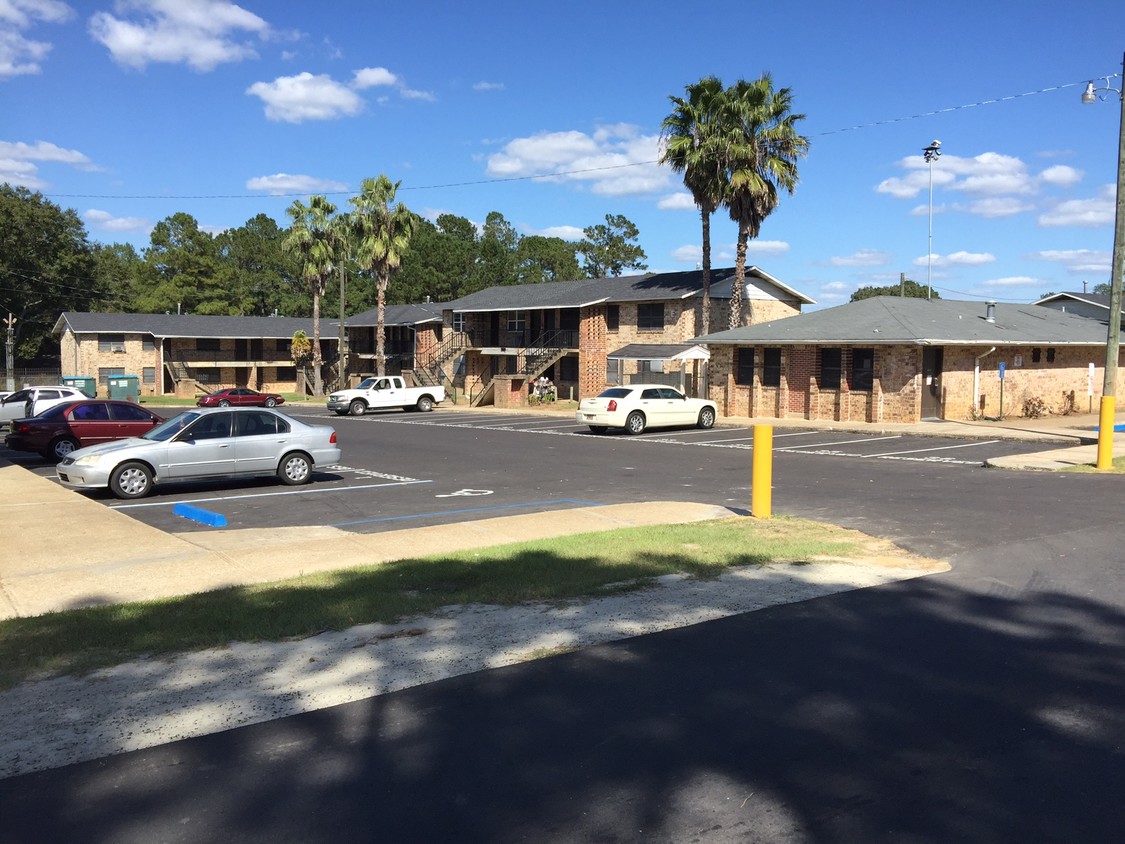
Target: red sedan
[239,397]
[61,429]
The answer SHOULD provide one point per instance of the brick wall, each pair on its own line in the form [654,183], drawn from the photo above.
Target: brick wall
[593,340]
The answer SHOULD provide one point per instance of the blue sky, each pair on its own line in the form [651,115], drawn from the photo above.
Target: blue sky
[133,110]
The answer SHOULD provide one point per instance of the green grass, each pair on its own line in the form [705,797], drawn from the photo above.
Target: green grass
[579,566]
[1118,467]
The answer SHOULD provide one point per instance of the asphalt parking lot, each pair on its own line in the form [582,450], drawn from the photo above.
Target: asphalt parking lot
[411,470]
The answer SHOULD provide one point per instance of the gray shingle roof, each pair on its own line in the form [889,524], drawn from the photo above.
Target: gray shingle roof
[650,351]
[650,287]
[418,314]
[1099,299]
[190,325]
[891,320]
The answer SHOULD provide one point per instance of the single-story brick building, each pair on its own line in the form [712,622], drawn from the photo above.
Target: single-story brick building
[892,359]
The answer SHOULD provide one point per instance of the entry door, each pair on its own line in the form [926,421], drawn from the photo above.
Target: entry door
[931,381]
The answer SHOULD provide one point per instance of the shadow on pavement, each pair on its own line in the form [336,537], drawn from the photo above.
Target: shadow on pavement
[913,712]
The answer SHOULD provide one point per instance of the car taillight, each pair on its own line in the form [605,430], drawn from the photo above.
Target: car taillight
[612,406]
[332,439]
[21,427]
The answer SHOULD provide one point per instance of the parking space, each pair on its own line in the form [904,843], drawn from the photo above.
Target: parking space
[417,469]
[846,444]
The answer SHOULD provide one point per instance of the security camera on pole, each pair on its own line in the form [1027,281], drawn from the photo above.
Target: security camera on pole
[931,153]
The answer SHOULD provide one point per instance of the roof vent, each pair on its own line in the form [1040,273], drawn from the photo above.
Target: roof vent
[990,312]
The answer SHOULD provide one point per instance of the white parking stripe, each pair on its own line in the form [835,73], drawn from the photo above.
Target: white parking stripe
[842,442]
[938,448]
[302,491]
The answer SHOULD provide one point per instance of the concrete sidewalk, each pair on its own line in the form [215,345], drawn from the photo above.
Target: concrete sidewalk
[63,550]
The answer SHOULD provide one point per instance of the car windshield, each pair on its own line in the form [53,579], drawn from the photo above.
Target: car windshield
[169,429]
[366,384]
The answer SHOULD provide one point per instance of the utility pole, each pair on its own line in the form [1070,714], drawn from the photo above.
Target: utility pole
[10,348]
[342,365]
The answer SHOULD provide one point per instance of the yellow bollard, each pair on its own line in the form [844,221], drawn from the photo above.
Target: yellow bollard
[761,483]
[1107,417]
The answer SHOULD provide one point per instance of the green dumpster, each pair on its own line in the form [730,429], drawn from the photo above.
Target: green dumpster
[124,387]
[84,383]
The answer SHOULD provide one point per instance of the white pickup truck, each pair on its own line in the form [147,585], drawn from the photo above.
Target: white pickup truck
[383,391]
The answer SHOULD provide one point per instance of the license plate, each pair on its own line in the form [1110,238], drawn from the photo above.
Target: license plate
[588,415]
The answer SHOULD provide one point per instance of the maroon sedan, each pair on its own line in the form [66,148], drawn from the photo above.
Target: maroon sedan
[61,429]
[239,397]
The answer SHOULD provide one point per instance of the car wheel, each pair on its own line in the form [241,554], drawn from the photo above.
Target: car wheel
[61,447]
[357,408]
[224,403]
[597,429]
[271,402]
[131,480]
[635,424]
[706,418]
[425,404]
[295,469]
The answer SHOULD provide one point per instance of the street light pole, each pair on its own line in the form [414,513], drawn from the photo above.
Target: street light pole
[932,152]
[1108,410]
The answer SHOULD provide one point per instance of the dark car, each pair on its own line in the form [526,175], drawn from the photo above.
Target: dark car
[61,429]
[239,397]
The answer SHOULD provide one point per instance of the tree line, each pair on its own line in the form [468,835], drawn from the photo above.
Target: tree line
[48,263]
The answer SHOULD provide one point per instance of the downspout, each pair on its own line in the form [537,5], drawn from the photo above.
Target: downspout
[976,380]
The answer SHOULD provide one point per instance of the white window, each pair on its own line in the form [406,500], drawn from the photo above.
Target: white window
[517,320]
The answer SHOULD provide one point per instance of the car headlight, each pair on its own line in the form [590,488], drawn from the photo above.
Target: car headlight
[88,460]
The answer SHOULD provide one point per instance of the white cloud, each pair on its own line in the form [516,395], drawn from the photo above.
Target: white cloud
[412,94]
[615,160]
[19,55]
[998,206]
[16,172]
[1077,261]
[285,183]
[369,77]
[1061,176]
[1087,213]
[488,86]
[680,201]
[200,33]
[1013,281]
[964,259]
[294,99]
[989,173]
[565,232]
[17,161]
[690,253]
[861,258]
[104,221]
[766,247]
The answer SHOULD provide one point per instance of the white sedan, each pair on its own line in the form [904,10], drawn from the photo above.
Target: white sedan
[639,406]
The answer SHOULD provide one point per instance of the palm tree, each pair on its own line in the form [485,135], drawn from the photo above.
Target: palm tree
[382,239]
[311,238]
[761,149]
[692,141]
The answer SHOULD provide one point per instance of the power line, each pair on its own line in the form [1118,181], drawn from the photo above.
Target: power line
[558,173]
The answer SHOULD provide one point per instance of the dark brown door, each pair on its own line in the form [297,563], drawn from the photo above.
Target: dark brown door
[931,382]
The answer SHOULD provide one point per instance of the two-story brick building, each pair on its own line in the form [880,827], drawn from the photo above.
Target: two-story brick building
[891,359]
[184,355]
[588,333]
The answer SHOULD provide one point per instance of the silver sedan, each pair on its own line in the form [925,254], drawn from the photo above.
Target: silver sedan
[205,443]
[636,407]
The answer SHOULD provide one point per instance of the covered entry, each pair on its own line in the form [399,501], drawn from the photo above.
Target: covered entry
[653,363]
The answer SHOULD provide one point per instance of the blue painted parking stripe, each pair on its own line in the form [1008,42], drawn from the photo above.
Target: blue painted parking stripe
[198,514]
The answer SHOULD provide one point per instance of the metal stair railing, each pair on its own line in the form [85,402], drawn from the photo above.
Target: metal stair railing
[431,366]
